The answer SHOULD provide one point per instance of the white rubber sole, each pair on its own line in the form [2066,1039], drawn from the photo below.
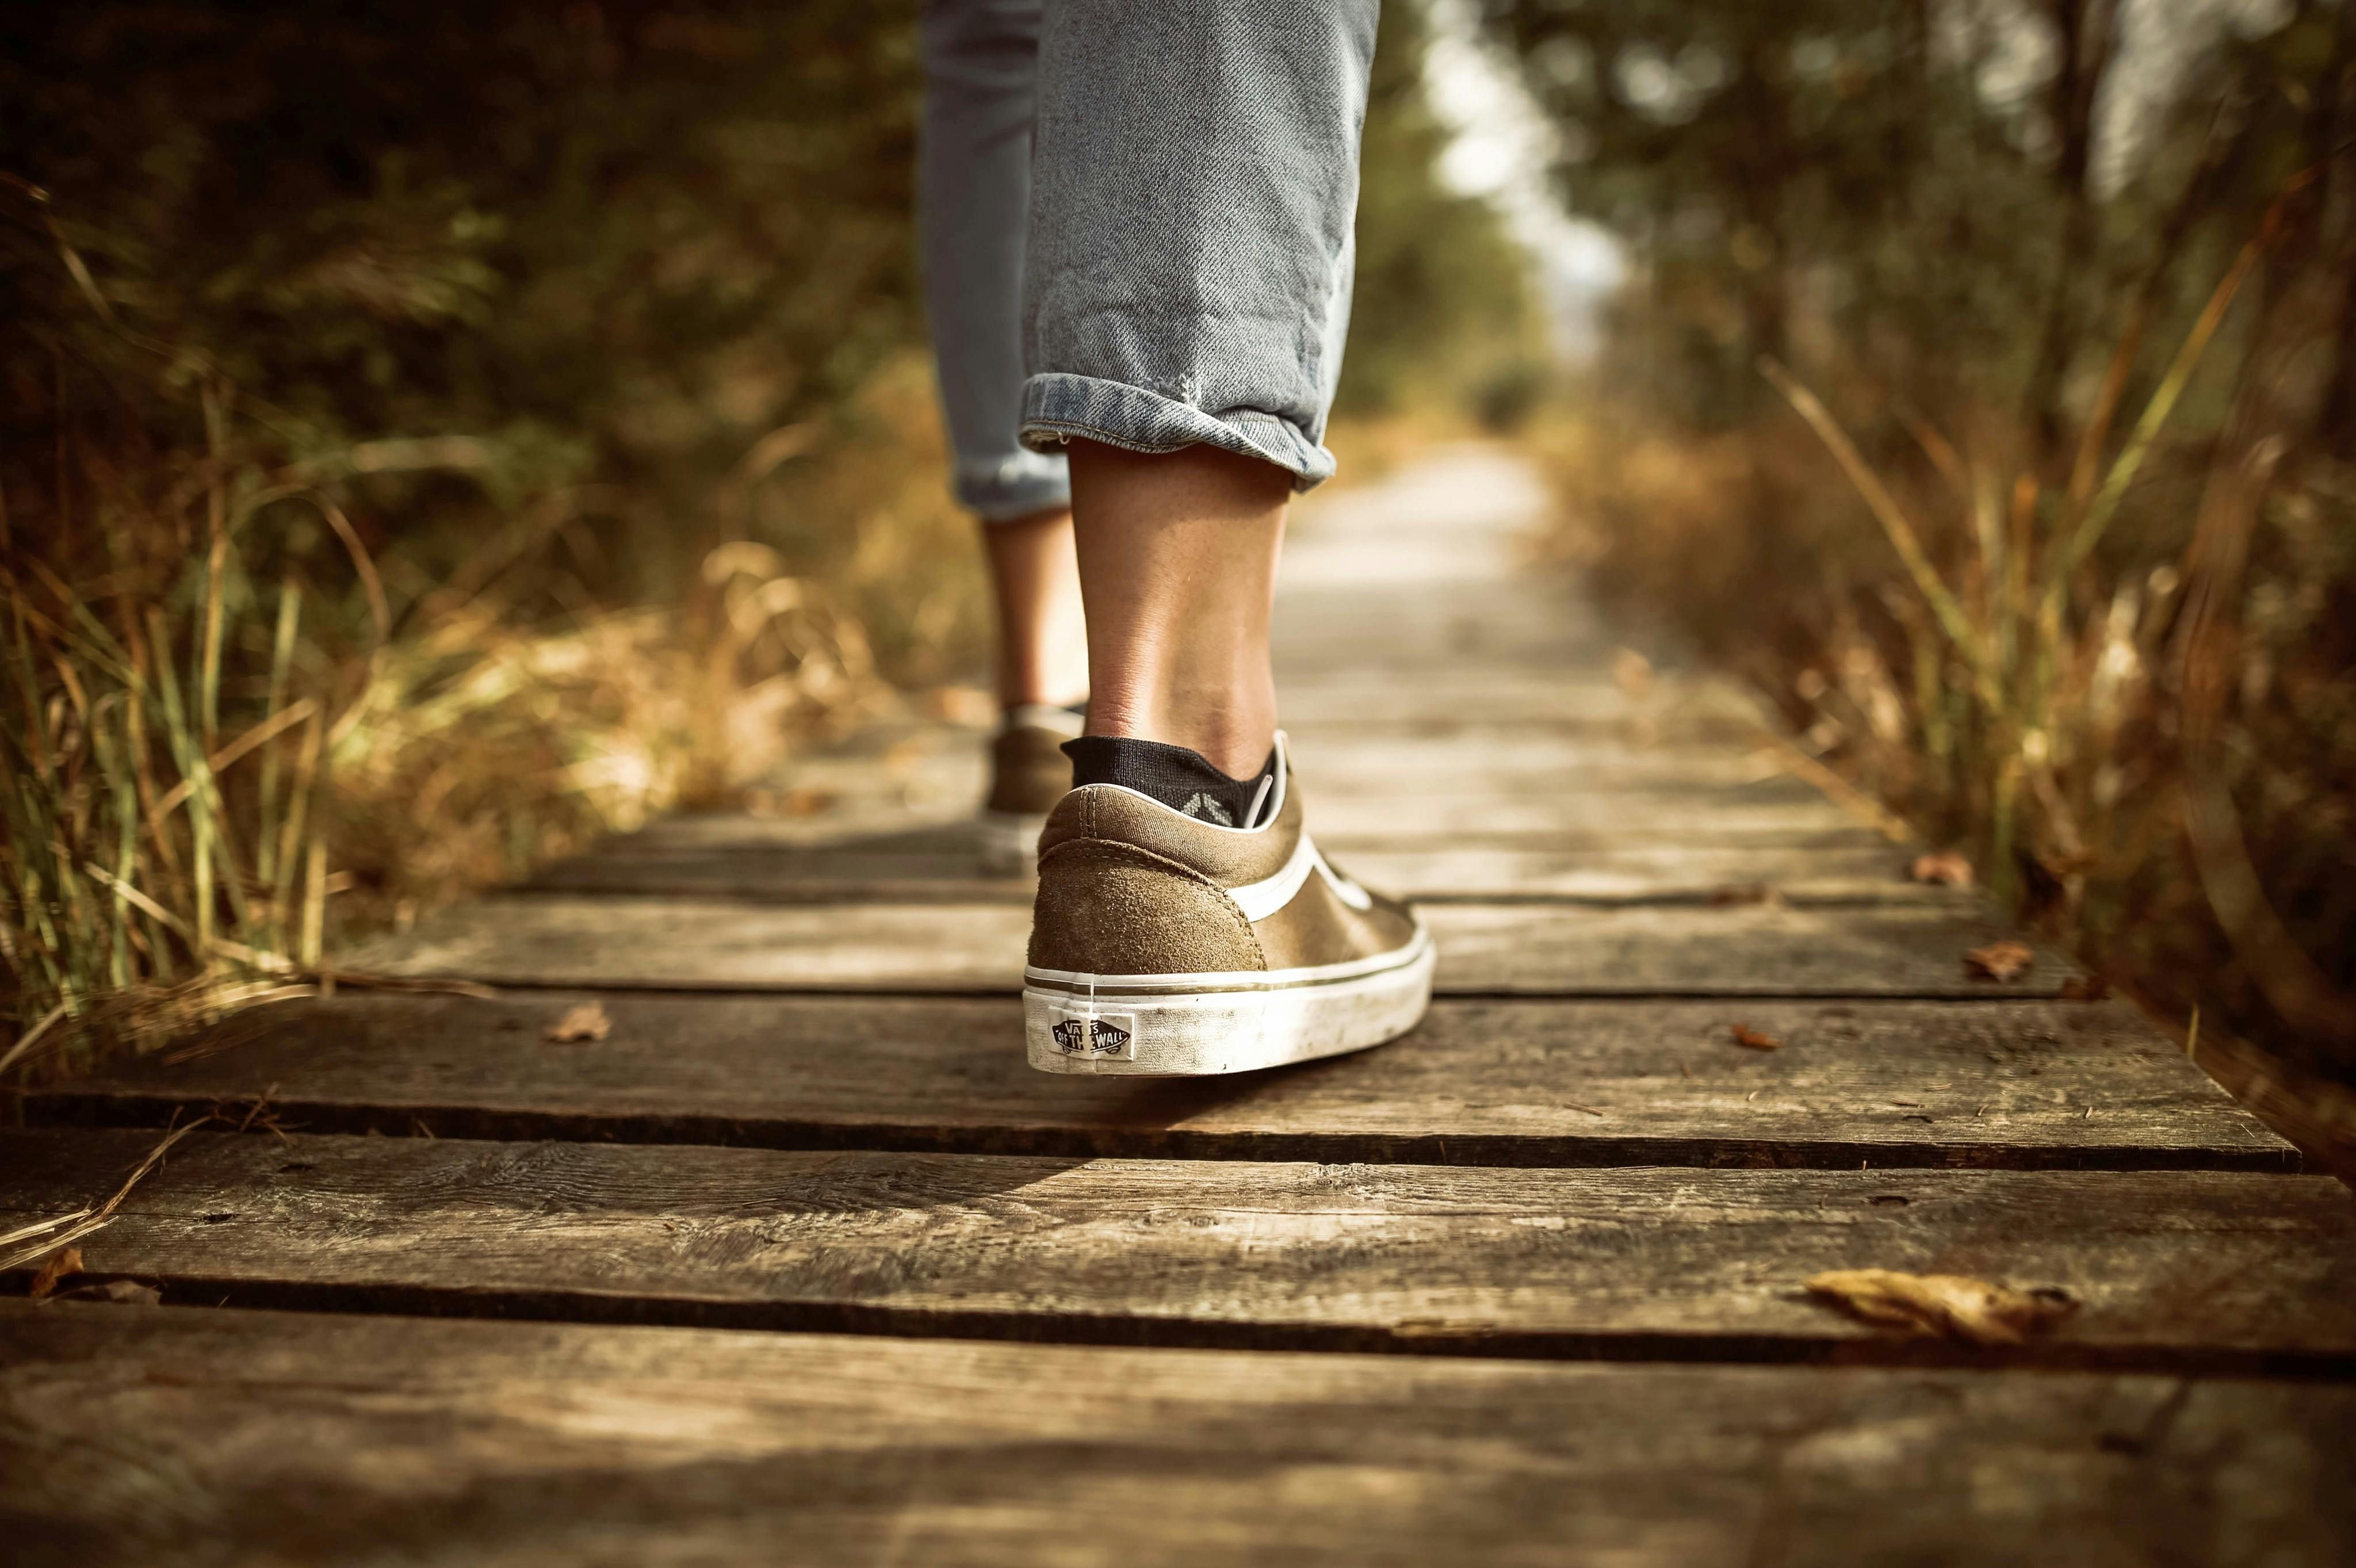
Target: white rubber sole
[1195,1025]
[1010,842]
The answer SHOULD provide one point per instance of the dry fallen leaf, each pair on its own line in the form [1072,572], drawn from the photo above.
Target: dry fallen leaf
[2086,988]
[65,1261]
[805,802]
[2001,961]
[1744,1034]
[1632,672]
[1945,867]
[1955,1305]
[586,1021]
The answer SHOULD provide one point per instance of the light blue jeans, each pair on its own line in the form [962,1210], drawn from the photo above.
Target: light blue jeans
[1136,228]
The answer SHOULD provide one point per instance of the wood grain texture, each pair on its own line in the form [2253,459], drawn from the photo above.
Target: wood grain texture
[1836,869]
[1750,950]
[1530,1083]
[187,1437]
[2175,1271]
[1732,950]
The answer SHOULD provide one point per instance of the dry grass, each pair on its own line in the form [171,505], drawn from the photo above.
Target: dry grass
[164,866]
[212,784]
[2127,695]
[52,1236]
[217,777]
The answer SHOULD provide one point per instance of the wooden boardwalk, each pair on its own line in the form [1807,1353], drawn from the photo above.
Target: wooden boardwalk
[800,1264]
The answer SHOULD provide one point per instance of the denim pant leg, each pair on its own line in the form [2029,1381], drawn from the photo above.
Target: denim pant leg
[1193,187]
[973,193]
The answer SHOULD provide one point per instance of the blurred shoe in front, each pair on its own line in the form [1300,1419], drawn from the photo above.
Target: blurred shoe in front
[1028,775]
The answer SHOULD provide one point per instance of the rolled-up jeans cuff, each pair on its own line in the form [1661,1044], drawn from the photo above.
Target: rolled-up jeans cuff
[1057,408]
[1020,485]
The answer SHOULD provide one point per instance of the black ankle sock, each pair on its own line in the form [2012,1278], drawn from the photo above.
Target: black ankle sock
[1181,779]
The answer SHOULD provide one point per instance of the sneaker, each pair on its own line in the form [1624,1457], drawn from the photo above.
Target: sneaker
[1028,774]
[1162,944]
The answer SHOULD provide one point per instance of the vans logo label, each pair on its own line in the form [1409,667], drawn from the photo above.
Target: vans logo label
[1106,1038]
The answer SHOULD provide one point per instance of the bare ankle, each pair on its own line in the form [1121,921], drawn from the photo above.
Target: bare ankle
[1042,655]
[1177,556]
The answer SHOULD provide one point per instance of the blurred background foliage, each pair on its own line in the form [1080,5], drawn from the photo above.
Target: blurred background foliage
[437,435]
[1985,389]
[1442,318]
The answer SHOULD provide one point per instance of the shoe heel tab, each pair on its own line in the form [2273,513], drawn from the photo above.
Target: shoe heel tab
[1075,817]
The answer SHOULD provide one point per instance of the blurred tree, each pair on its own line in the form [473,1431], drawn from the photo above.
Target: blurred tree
[1909,188]
[1839,153]
[621,239]
[1443,309]
[1985,230]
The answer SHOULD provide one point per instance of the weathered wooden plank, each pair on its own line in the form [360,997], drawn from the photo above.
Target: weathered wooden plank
[1717,813]
[171,1437]
[1737,726]
[934,770]
[1530,1083]
[1842,871]
[1770,814]
[912,847]
[943,760]
[943,865]
[1537,949]
[1390,606]
[1508,760]
[939,863]
[2184,1270]
[1726,950]
[1498,693]
[1467,769]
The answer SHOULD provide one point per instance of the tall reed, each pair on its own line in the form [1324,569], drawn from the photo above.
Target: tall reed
[221,751]
[2124,683]
[162,848]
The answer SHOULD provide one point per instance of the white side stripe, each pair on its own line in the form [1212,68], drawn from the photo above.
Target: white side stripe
[1258,900]
[1344,890]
